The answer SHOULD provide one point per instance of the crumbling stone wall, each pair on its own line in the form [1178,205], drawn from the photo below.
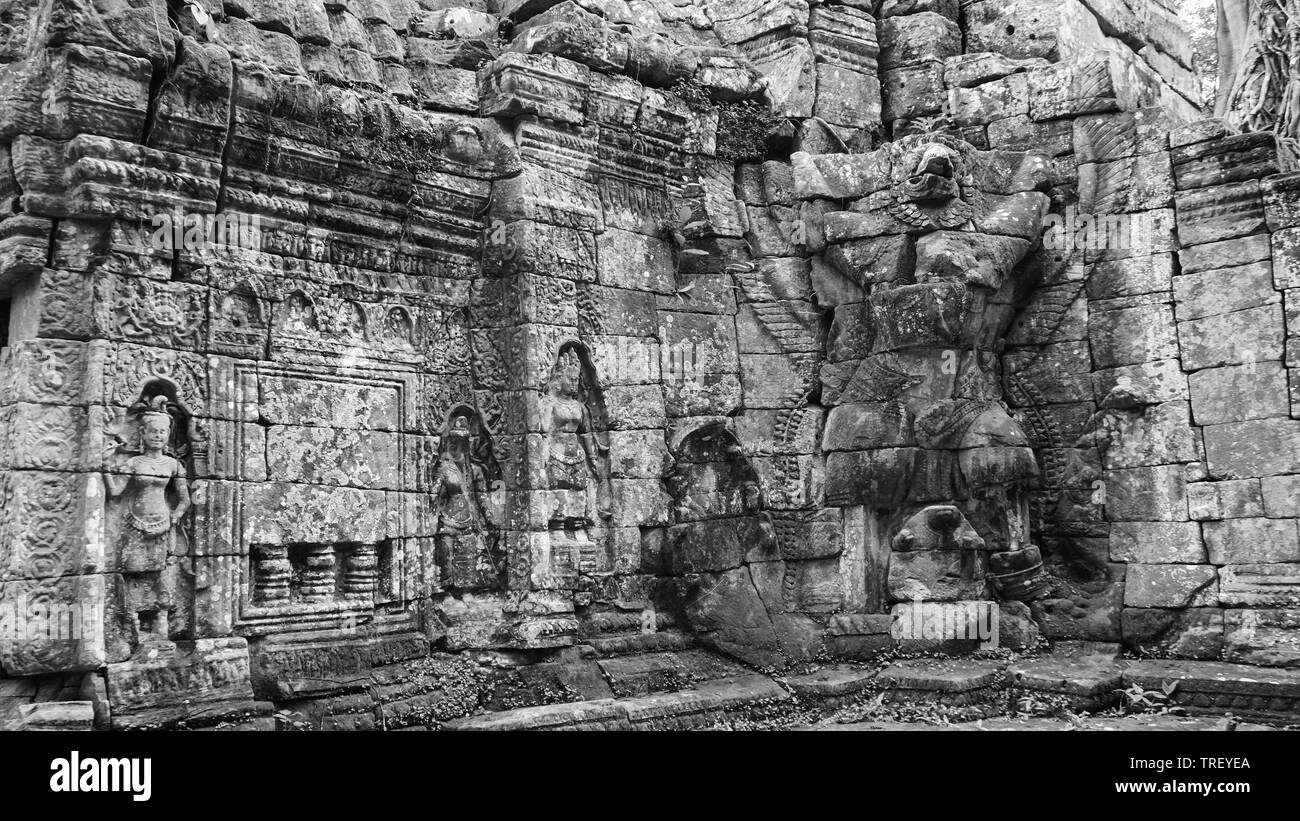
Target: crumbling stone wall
[525,331]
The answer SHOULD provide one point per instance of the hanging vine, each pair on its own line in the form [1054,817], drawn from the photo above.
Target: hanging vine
[1264,94]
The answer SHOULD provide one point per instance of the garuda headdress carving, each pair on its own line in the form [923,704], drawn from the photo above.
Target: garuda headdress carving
[932,184]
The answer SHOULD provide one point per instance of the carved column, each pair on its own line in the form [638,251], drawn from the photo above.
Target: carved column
[361,573]
[318,583]
[271,579]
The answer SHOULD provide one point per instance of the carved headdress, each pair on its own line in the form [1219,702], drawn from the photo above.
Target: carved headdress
[568,365]
[932,183]
[158,400]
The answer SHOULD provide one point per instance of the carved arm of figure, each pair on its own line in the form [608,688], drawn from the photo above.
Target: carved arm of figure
[483,499]
[183,490]
[591,443]
[595,449]
[114,482]
[439,489]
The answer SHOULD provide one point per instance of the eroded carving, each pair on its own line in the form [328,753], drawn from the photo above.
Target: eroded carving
[466,478]
[149,476]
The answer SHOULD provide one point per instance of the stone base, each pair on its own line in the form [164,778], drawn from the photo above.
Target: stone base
[229,714]
[208,678]
[57,701]
[709,703]
[950,682]
[627,643]
[665,672]
[1213,687]
[860,636]
[1084,683]
[832,686]
[284,669]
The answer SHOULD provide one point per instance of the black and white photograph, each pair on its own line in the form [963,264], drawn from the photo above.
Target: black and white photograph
[772,370]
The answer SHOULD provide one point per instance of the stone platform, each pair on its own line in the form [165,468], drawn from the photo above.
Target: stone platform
[695,688]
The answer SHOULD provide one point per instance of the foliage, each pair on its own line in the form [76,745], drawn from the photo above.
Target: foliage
[744,126]
[1160,702]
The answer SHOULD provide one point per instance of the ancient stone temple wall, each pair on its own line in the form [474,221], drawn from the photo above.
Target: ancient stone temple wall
[339,332]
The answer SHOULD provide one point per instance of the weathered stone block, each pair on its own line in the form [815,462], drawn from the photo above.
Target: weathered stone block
[915,91]
[1219,213]
[1016,29]
[726,612]
[1281,194]
[1222,291]
[848,98]
[129,26]
[801,535]
[1087,592]
[1195,633]
[1252,335]
[1281,496]
[1158,435]
[937,575]
[63,620]
[1146,494]
[1130,184]
[638,454]
[1130,336]
[1020,133]
[1156,543]
[540,84]
[1131,277]
[1161,381]
[1256,448]
[1071,89]
[1260,585]
[1232,159]
[1268,638]
[1234,499]
[1111,136]
[1230,253]
[1256,390]
[1171,585]
[917,38]
[1252,541]
[878,478]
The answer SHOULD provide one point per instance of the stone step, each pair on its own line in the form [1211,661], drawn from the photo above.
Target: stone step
[628,643]
[1265,693]
[217,714]
[57,701]
[706,704]
[1088,682]
[832,685]
[950,682]
[1148,723]
[1092,650]
[55,715]
[635,675]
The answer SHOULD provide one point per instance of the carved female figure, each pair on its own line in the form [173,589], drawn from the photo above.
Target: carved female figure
[465,554]
[574,450]
[151,518]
